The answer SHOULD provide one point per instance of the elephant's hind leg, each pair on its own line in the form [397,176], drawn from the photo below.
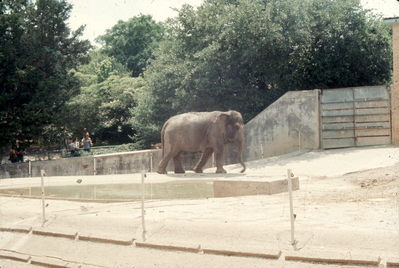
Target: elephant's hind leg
[164,162]
[204,158]
[178,165]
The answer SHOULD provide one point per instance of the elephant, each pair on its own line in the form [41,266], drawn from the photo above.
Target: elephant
[204,132]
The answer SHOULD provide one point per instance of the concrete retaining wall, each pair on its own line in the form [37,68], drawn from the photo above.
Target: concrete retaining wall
[14,170]
[64,166]
[117,163]
[289,124]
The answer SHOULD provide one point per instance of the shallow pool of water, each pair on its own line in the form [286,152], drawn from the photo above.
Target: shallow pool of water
[167,190]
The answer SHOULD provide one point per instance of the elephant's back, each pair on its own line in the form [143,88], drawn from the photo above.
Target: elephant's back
[191,119]
[189,130]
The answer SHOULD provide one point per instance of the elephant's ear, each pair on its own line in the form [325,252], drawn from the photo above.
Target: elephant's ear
[219,123]
[221,118]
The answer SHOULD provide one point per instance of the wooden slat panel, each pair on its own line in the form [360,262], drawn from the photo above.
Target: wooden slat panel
[372,132]
[371,93]
[338,143]
[371,111]
[337,119]
[337,113]
[337,95]
[373,118]
[374,125]
[365,141]
[338,126]
[342,105]
[337,134]
[368,104]
[363,111]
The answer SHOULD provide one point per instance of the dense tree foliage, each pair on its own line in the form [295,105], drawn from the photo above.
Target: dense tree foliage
[244,54]
[104,109]
[99,68]
[108,93]
[348,46]
[132,42]
[225,54]
[37,52]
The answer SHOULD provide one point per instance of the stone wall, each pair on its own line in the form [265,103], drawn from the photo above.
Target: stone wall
[289,124]
[14,170]
[117,163]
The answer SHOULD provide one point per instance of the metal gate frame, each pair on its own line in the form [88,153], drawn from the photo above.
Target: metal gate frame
[357,116]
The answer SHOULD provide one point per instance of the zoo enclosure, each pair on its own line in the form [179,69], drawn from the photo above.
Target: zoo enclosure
[299,120]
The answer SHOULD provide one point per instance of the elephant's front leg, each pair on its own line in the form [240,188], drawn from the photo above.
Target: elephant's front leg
[219,158]
[204,158]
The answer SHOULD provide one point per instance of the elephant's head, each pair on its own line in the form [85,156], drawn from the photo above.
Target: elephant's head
[234,131]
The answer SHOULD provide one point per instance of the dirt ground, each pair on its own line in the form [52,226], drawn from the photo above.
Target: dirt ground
[347,208]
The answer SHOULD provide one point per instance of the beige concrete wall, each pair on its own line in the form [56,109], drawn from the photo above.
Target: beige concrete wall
[289,124]
[395,88]
[129,162]
[14,170]
[117,163]
[64,166]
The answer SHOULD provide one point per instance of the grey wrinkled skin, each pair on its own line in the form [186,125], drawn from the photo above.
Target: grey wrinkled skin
[205,132]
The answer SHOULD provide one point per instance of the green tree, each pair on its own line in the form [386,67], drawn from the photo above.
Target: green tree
[37,52]
[348,46]
[104,109]
[99,68]
[244,54]
[132,42]
[108,93]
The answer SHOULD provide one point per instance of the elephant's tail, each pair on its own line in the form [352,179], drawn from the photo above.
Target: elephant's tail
[163,140]
[240,151]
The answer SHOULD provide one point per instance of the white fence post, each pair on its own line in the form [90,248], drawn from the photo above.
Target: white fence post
[29,168]
[151,161]
[299,140]
[94,166]
[143,175]
[43,173]
[213,160]
[261,150]
[292,216]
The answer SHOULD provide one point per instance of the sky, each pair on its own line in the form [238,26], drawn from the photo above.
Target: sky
[100,15]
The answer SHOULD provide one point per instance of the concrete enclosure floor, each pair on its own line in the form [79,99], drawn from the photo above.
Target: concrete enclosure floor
[347,207]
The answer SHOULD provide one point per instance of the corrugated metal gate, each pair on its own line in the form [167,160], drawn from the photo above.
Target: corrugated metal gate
[355,117]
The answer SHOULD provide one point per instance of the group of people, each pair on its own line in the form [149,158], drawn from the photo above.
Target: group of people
[16,153]
[85,143]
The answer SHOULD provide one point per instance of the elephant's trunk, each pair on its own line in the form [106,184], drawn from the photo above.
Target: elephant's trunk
[240,149]
[242,164]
